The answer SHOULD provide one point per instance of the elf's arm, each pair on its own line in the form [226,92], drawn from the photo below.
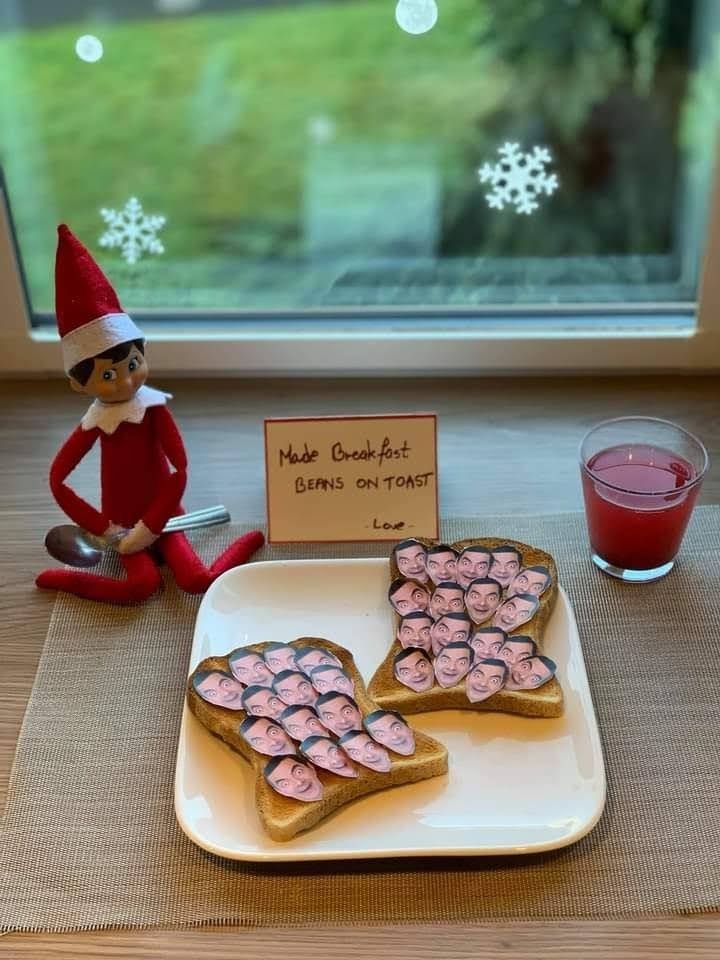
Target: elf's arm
[68,457]
[167,501]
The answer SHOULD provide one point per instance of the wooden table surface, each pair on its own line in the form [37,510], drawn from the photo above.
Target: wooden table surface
[504,445]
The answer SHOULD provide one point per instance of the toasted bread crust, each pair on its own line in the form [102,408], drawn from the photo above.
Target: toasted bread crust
[545,701]
[282,817]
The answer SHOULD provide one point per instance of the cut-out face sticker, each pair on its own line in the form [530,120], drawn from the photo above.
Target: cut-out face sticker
[453,663]
[294,687]
[325,753]
[390,729]
[249,668]
[262,702]
[472,564]
[485,679]
[452,628]
[486,642]
[506,563]
[440,564]
[515,612]
[413,668]
[279,657]
[414,630]
[266,736]
[517,648]
[363,750]
[218,687]
[293,777]
[410,556]
[407,597]
[307,658]
[302,722]
[327,678]
[339,713]
[532,580]
[530,674]
[482,598]
[446,598]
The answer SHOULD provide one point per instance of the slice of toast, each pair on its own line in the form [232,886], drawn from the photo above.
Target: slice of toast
[284,817]
[544,701]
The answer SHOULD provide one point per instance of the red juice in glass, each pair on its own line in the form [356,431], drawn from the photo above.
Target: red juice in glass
[642,529]
[638,497]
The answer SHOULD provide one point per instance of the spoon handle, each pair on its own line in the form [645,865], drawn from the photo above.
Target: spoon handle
[194,520]
[209,517]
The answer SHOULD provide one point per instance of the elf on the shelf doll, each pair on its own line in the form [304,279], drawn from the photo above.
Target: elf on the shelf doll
[142,458]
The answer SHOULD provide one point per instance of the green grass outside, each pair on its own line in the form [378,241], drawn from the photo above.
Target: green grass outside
[205,119]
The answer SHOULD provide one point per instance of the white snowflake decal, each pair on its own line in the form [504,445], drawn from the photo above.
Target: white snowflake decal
[132,230]
[518,178]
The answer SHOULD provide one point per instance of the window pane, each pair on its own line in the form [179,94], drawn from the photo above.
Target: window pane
[245,156]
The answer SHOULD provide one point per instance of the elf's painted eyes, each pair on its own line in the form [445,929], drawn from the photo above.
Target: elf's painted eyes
[109,375]
[133,365]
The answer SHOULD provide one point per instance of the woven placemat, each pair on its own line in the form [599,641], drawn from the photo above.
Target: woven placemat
[90,840]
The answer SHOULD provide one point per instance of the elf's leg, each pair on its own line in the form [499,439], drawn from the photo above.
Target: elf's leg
[190,572]
[143,579]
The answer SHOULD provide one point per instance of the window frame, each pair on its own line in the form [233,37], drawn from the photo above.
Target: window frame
[633,338]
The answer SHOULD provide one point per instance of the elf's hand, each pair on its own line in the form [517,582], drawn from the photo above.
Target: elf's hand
[139,538]
[113,532]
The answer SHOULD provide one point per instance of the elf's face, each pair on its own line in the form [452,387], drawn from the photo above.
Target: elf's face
[115,381]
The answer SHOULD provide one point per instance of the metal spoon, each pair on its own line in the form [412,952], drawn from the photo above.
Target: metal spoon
[78,548]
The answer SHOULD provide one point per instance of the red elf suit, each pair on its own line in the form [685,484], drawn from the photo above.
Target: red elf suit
[143,462]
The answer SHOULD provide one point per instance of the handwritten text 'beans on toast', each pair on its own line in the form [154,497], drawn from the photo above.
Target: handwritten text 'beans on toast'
[386,453]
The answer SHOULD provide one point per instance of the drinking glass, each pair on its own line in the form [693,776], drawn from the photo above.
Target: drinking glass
[641,477]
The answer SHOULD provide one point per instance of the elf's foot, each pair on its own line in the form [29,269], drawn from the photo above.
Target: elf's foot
[143,579]
[190,572]
[237,553]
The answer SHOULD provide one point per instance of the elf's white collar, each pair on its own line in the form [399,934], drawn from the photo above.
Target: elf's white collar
[109,416]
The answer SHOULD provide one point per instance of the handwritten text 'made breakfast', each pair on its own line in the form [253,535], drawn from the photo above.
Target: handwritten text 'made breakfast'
[384,455]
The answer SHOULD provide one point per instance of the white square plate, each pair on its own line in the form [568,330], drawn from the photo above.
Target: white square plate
[515,784]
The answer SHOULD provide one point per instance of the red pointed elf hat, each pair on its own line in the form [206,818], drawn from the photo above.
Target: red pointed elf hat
[89,316]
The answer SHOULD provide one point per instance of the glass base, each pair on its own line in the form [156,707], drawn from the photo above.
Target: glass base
[632,576]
